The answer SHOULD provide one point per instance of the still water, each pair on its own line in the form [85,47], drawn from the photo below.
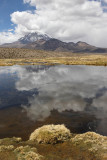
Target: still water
[32,96]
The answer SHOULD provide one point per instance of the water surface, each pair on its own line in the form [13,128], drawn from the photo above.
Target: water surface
[32,96]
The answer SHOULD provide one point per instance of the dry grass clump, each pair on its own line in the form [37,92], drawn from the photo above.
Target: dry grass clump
[10,141]
[16,139]
[51,134]
[97,60]
[12,56]
[27,153]
[93,143]
[4,148]
[87,146]
[91,136]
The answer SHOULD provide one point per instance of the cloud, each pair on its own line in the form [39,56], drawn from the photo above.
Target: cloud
[10,69]
[79,20]
[105,1]
[101,103]
[8,37]
[10,30]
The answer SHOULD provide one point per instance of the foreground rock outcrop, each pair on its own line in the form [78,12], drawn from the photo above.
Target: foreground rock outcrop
[55,142]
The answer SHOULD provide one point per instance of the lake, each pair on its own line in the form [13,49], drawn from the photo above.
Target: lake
[33,96]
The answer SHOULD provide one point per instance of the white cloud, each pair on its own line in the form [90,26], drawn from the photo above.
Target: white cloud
[10,30]
[105,1]
[79,20]
[8,37]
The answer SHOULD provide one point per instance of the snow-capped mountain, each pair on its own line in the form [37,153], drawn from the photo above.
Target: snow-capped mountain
[40,41]
[32,37]
[27,39]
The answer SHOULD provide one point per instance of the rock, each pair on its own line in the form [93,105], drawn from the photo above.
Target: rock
[51,134]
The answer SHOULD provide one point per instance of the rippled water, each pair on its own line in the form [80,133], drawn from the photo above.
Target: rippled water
[31,96]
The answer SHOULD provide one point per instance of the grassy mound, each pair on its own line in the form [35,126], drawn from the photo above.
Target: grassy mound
[87,146]
[27,153]
[92,142]
[51,134]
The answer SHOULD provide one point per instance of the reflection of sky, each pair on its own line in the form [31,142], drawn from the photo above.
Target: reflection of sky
[9,95]
[103,4]
[77,88]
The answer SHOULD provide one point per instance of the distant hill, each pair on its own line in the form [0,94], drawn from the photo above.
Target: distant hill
[41,41]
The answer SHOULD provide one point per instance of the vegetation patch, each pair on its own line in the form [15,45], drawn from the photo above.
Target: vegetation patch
[15,56]
[93,143]
[51,134]
[87,146]
[27,153]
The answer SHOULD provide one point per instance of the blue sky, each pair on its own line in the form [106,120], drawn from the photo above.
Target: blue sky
[7,7]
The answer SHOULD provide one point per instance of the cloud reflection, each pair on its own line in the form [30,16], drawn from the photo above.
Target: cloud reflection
[61,88]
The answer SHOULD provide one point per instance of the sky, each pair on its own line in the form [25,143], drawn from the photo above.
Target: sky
[7,7]
[69,20]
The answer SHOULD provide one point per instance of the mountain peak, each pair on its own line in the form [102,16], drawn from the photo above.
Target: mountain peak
[80,43]
[32,37]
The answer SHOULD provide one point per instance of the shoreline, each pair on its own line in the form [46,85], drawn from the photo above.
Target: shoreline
[16,56]
[55,144]
[96,60]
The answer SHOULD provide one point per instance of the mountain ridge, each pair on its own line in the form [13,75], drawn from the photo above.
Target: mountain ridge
[40,41]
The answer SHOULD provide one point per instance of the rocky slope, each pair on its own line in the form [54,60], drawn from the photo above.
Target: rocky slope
[88,146]
[57,45]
